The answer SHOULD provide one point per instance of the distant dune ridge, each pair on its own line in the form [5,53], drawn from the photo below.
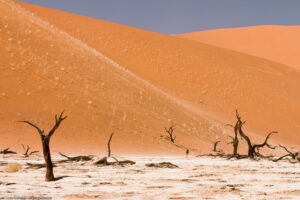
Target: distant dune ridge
[114,78]
[277,43]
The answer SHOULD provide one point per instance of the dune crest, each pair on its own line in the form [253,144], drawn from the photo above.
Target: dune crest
[277,43]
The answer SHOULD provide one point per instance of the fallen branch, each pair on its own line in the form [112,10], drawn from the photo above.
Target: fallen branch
[221,154]
[3,163]
[36,166]
[7,151]
[103,162]
[76,158]
[162,165]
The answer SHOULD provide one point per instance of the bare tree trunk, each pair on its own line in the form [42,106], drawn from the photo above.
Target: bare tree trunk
[235,147]
[108,144]
[47,156]
[235,140]
[250,147]
[215,146]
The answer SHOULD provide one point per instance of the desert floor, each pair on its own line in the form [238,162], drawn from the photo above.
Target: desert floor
[196,178]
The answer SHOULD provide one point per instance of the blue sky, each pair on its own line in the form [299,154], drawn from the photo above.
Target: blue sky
[181,16]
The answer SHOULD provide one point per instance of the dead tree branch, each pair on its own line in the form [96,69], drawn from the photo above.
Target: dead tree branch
[252,148]
[265,143]
[26,151]
[294,156]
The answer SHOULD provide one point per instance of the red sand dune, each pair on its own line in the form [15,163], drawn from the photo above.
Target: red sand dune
[54,60]
[277,43]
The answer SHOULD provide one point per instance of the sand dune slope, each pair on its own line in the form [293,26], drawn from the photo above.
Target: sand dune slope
[44,70]
[211,81]
[278,43]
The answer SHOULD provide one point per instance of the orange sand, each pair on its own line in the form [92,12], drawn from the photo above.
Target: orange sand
[54,60]
[277,43]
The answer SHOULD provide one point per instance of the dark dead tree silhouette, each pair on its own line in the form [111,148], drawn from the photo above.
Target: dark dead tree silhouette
[45,143]
[170,132]
[108,145]
[252,148]
[26,149]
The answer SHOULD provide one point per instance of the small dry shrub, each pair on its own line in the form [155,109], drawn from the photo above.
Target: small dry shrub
[12,167]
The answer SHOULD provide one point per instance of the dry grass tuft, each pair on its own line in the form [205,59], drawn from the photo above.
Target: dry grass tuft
[13,167]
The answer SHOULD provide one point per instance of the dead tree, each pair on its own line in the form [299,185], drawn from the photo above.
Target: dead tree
[45,142]
[235,139]
[108,145]
[252,148]
[215,146]
[104,162]
[170,132]
[294,156]
[26,151]
[7,151]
